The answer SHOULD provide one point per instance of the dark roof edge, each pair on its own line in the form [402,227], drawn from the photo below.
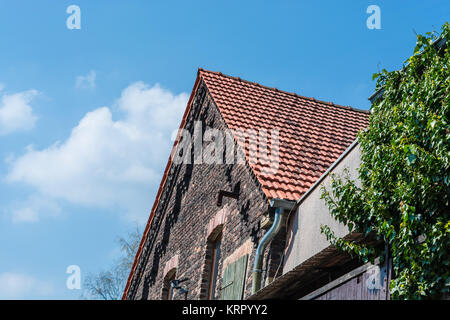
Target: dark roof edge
[326,173]
[158,194]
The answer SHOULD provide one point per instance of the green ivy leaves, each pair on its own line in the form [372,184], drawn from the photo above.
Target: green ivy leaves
[405,175]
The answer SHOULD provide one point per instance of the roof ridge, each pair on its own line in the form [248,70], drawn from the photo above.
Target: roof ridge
[330,103]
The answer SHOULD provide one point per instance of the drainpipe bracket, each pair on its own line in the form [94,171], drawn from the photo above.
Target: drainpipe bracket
[266,221]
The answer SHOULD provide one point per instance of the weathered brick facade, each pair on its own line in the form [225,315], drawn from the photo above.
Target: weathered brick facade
[306,137]
[187,216]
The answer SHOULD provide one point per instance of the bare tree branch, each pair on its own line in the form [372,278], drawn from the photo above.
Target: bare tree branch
[109,284]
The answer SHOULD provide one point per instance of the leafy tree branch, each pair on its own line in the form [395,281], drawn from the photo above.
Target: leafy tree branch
[404,193]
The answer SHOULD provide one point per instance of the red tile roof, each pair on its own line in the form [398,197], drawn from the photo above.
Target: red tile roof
[312,133]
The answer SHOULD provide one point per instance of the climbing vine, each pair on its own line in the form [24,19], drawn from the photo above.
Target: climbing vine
[402,197]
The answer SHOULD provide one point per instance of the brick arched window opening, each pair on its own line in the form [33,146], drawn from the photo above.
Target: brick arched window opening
[211,266]
[168,291]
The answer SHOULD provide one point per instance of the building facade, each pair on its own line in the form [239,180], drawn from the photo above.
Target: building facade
[243,157]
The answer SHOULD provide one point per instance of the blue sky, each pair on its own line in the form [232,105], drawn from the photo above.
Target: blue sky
[86,115]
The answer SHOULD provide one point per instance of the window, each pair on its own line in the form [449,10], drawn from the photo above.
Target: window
[214,266]
[168,291]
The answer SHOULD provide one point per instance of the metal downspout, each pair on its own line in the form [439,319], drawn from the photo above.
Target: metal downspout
[270,234]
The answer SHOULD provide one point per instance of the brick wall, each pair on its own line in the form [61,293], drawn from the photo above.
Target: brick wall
[188,214]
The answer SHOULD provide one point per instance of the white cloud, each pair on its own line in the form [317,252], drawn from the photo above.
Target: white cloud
[87,81]
[16,113]
[22,286]
[107,163]
[25,214]
[33,209]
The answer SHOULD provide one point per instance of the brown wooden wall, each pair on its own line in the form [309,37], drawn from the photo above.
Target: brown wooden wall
[368,282]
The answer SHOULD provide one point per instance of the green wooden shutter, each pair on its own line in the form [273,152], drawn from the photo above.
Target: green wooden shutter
[234,279]
[228,282]
[239,277]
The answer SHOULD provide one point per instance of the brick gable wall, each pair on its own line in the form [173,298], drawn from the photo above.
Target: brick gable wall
[187,214]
